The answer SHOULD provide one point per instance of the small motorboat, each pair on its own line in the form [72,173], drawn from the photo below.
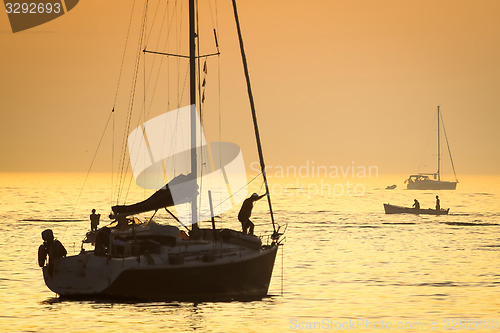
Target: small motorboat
[391,187]
[393,209]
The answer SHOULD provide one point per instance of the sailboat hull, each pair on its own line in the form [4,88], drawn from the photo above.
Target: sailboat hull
[247,279]
[431,185]
[234,279]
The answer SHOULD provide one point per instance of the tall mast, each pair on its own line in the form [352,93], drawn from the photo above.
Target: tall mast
[192,95]
[254,115]
[439,152]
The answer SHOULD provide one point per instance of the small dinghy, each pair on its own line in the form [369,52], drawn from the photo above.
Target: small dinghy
[393,209]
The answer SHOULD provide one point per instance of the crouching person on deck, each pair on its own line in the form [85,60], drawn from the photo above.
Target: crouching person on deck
[51,247]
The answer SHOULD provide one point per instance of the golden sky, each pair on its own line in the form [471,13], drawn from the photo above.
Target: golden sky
[335,81]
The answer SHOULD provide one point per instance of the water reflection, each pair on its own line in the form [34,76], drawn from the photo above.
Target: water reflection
[344,258]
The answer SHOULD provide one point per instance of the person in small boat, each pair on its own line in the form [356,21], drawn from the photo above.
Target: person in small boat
[52,248]
[94,220]
[438,203]
[246,212]
[416,204]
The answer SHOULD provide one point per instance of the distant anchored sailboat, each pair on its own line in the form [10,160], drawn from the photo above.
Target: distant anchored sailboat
[432,181]
[151,261]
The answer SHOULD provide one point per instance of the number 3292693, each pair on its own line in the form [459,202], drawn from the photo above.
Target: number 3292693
[32,8]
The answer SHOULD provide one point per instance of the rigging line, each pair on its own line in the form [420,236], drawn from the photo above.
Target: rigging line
[144,90]
[116,92]
[178,48]
[254,114]
[216,18]
[131,104]
[219,109]
[128,188]
[157,76]
[170,21]
[127,165]
[198,64]
[198,83]
[124,52]
[172,18]
[212,13]
[125,133]
[144,68]
[165,14]
[235,192]
[153,23]
[260,189]
[184,85]
[448,145]
[144,105]
[91,163]
[216,28]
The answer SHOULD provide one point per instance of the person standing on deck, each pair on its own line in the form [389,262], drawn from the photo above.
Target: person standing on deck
[438,203]
[94,220]
[246,212]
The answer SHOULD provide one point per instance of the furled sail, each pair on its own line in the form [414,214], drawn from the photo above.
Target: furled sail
[162,198]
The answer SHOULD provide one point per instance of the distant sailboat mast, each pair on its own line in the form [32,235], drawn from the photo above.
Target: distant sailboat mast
[448,146]
[423,181]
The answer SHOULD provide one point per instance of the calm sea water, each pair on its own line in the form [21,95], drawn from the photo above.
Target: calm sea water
[347,265]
